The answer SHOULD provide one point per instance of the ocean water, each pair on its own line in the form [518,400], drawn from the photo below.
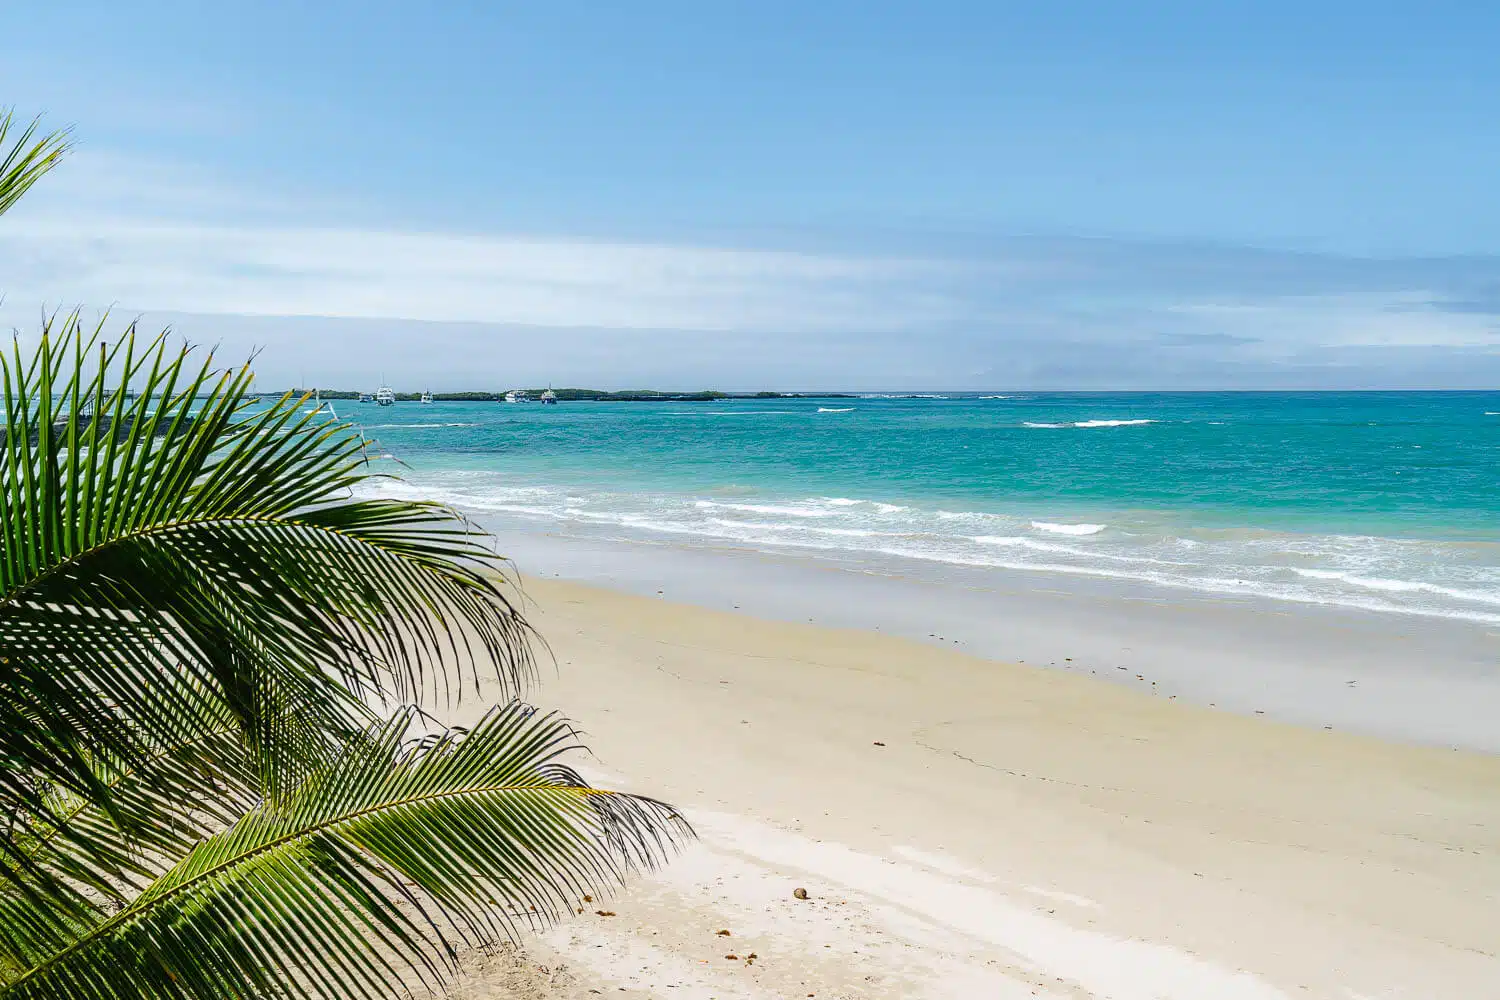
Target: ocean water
[1382,501]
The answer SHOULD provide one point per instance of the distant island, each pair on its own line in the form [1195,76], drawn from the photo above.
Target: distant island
[590,395]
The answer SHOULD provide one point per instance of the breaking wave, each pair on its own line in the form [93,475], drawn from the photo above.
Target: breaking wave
[1409,576]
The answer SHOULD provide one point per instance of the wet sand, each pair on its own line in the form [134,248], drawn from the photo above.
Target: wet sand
[1409,678]
[970,827]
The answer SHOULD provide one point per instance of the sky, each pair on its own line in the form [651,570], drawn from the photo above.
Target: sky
[775,195]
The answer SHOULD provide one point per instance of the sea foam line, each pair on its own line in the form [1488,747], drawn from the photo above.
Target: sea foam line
[1068,529]
[1091,423]
[918,536]
[761,508]
[1399,586]
[1201,584]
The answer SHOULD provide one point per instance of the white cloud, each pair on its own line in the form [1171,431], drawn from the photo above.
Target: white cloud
[500,279]
[1290,324]
[158,236]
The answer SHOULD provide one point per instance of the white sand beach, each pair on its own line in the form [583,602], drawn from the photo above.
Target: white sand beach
[966,826]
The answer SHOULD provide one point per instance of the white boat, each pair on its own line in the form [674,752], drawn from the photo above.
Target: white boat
[426,399]
[385,396]
[549,397]
[365,397]
[517,396]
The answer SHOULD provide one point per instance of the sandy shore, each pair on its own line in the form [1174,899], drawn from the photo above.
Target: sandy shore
[1408,678]
[972,828]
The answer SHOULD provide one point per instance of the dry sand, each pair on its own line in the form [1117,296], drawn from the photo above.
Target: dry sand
[971,828]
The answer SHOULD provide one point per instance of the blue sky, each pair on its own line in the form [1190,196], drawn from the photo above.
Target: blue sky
[837,195]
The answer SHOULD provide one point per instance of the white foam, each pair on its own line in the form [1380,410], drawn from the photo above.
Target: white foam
[765,508]
[835,409]
[815,529]
[979,516]
[1068,529]
[1053,548]
[1091,423]
[1399,586]
[1017,542]
[1406,576]
[884,508]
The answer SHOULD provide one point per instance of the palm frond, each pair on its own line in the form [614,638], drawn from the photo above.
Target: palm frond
[28,158]
[357,882]
[179,793]
[72,872]
[172,552]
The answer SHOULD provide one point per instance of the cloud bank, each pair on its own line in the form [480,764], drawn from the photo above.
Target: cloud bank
[347,304]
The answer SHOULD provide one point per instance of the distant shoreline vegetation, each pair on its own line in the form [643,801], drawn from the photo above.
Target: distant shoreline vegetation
[592,395]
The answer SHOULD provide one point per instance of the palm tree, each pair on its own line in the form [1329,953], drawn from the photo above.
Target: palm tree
[212,640]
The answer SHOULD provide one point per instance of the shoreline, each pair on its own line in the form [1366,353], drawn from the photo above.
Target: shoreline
[1444,573]
[967,826]
[1400,677]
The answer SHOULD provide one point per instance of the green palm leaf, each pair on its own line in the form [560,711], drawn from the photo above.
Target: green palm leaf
[71,872]
[474,834]
[29,157]
[177,553]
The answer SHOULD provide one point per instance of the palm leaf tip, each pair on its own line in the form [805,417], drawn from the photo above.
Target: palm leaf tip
[29,157]
[478,834]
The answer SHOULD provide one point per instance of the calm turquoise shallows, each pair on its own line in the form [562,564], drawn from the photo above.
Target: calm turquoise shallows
[1382,501]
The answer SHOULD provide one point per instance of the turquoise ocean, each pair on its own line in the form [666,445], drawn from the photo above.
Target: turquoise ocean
[1388,502]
